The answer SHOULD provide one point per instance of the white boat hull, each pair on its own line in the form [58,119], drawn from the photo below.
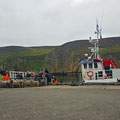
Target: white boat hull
[114,80]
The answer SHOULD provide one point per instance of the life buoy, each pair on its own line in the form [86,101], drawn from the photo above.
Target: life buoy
[90,74]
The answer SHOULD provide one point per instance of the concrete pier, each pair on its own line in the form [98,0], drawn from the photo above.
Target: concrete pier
[94,102]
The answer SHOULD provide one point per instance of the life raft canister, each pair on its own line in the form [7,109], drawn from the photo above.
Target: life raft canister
[90,74]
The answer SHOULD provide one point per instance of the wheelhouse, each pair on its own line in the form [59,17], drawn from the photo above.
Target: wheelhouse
[92,70]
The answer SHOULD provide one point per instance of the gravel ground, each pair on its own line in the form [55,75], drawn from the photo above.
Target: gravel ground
[95,102]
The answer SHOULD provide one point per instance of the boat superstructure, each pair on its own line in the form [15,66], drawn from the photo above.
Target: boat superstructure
[94,68]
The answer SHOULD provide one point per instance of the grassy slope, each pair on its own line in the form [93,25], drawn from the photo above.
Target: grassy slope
[64,59]
[32,58]
[56,59]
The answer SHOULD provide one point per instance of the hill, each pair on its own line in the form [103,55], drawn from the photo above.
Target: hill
[24,58]
[62,58]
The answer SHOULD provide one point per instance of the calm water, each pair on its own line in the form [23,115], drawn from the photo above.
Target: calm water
[67,77]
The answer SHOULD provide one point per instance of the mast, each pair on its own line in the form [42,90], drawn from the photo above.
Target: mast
[95,42]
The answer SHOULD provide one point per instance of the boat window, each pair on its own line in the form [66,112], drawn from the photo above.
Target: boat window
[95,65]
[85,66]
[100,74]
[109,73]
[90,65]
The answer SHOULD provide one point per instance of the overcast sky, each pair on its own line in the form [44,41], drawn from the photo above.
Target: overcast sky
[54,22]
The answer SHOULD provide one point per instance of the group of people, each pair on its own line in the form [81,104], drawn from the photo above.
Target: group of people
[38,76]
[42,75]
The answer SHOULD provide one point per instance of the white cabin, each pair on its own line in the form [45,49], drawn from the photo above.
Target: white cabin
[94,72]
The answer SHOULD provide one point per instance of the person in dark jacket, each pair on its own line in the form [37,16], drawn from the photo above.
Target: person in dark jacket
[28,75]
[48,78]
[19,76]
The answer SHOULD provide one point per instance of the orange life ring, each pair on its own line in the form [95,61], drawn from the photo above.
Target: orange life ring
[90,74]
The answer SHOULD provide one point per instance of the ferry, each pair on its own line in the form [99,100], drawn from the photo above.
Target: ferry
[94,68]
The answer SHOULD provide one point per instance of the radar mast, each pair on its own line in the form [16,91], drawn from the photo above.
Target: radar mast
[95,42]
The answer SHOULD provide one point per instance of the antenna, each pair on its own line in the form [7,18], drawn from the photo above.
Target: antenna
[95,42]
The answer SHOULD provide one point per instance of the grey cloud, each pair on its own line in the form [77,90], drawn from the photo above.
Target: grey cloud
[54,22]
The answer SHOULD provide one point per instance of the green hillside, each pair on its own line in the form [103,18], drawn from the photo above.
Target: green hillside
[62,58]
[24,58]
[65,58]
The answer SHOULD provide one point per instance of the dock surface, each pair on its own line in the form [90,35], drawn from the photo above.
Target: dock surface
[97,102]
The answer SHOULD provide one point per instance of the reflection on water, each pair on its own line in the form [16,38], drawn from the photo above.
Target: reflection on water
[67,77]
